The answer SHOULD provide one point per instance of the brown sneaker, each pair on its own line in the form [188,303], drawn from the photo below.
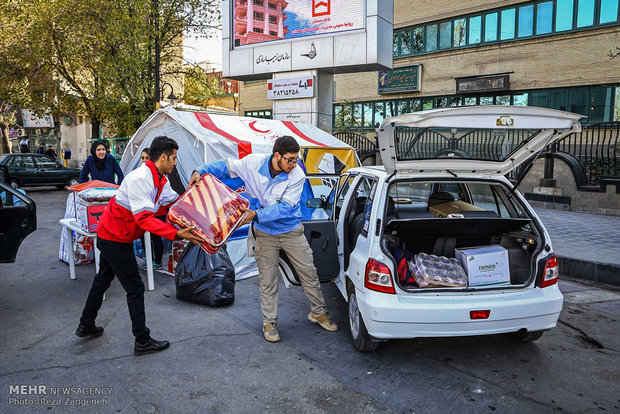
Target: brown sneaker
[324,320]
[271,333]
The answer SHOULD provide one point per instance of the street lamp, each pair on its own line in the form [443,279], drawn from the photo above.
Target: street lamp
[170,97]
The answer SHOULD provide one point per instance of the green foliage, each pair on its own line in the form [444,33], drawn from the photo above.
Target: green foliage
[348,117]
[95,57]
[200,86]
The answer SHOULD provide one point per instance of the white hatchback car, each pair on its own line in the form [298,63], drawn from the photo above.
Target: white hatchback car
[443,187]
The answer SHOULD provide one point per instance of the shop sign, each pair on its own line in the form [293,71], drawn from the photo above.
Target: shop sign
[400,80]
[291,88]
[474,84]
[31,120]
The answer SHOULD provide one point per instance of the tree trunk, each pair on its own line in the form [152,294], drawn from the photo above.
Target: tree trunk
[5,147]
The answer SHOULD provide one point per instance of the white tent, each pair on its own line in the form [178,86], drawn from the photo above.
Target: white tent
[205,137]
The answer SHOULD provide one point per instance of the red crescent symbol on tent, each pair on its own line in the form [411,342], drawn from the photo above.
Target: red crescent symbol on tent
[251,124]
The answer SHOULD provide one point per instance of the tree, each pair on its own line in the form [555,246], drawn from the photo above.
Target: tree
[98,56]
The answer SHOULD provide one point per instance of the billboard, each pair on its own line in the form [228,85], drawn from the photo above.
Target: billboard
[264,37]
[260,21]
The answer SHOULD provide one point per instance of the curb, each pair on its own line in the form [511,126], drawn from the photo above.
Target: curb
[583,269]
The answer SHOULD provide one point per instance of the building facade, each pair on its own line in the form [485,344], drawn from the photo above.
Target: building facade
[548,53]
[259,21]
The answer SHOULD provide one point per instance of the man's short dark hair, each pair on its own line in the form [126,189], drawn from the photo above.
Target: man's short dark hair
[162,145]
[285,144]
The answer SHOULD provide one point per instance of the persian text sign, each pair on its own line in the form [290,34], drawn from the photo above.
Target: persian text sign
[31,120]
[400,80]
[291,88]
[266,21]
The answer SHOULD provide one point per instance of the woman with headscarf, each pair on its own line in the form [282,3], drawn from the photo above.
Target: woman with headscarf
[101,165]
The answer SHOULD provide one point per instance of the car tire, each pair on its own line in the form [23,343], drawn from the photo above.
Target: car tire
[61,186]
[527,336]
[73,181]
[15,184]
[361,339]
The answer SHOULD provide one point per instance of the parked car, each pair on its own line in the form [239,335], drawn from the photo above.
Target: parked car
[18,218]
[29,170]
[442,187]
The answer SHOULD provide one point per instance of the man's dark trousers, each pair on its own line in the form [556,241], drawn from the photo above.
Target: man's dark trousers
[118,259]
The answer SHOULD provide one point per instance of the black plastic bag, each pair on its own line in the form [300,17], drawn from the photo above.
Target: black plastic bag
[206,279]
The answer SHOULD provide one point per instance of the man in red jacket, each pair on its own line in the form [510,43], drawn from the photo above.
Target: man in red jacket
[143,194]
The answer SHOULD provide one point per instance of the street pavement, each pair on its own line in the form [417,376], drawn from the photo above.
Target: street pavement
[218,361]
[588,243]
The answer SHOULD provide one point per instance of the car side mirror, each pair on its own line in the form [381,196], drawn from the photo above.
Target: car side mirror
[315,203]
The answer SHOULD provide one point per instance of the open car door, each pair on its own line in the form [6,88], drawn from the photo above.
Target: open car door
[18,218]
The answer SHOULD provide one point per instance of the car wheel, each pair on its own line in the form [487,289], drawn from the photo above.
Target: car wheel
[362,341]
[527,336]
[15,184]
[61,187]
[73,181]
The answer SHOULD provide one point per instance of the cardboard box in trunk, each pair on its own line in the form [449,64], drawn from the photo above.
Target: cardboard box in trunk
[486,265]
[442,210]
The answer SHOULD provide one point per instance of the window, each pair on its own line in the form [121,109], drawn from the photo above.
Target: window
[441,102]
[405,42]
[486,197]
[259,16]
[390,109]
[403,107]
[469,101]
[559,99]
[431,38]
[45,162]
[256,30]
[272,33]
[272,6]
[343,188]
[544,17]
[273,19]
[259,114]
[585,13]
[520,100]
[427,104]
[486,100]
[395,44]
[414,105]
[502,100]
[609,11]
[23,162]
[445,35]
[475,30]
[563,15]
[540,99]
[578,100]
[600,104]
[258,2]
[379,112]
[460,32]
[417,40]
[367,115]
[508,24]
[409,197]
[490,30]
[526,21]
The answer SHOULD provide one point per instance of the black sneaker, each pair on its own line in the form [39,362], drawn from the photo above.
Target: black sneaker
[150,347]
[93,331]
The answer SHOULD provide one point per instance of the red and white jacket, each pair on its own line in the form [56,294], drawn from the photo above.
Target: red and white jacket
[141,196]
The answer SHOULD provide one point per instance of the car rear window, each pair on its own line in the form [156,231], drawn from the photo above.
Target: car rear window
[477,144]
[424,199]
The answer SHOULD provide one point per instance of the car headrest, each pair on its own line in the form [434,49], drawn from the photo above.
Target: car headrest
[440,197]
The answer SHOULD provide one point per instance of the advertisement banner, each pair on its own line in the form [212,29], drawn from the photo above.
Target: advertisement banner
[400,80]
[291,88]
[259,21]
[30,120]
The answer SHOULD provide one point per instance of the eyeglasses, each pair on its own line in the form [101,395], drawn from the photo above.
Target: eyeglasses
[291,160]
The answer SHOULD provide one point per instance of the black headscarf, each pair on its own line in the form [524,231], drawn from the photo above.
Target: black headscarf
[100,163]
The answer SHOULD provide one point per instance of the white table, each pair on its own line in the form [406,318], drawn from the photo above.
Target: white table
[72,225]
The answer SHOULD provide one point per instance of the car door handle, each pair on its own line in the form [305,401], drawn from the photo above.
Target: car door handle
[325,243]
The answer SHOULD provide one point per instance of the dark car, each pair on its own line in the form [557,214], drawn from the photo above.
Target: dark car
[18,218]
[29,170]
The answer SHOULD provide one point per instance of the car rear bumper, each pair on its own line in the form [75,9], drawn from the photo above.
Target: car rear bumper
[436,315]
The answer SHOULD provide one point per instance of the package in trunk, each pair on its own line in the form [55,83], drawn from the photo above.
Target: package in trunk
[212,208]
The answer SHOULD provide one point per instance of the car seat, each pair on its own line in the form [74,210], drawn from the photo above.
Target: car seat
[439,197]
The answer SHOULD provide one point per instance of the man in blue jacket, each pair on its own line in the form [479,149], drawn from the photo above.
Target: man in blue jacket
[274,183]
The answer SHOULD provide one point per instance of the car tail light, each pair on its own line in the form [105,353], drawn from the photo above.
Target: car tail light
[378,277]
[550,272]
[479,314]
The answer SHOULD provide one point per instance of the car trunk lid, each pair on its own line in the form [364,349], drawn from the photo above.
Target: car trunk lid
[479,139]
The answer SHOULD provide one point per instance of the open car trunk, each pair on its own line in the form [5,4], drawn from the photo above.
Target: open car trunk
[459,216]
